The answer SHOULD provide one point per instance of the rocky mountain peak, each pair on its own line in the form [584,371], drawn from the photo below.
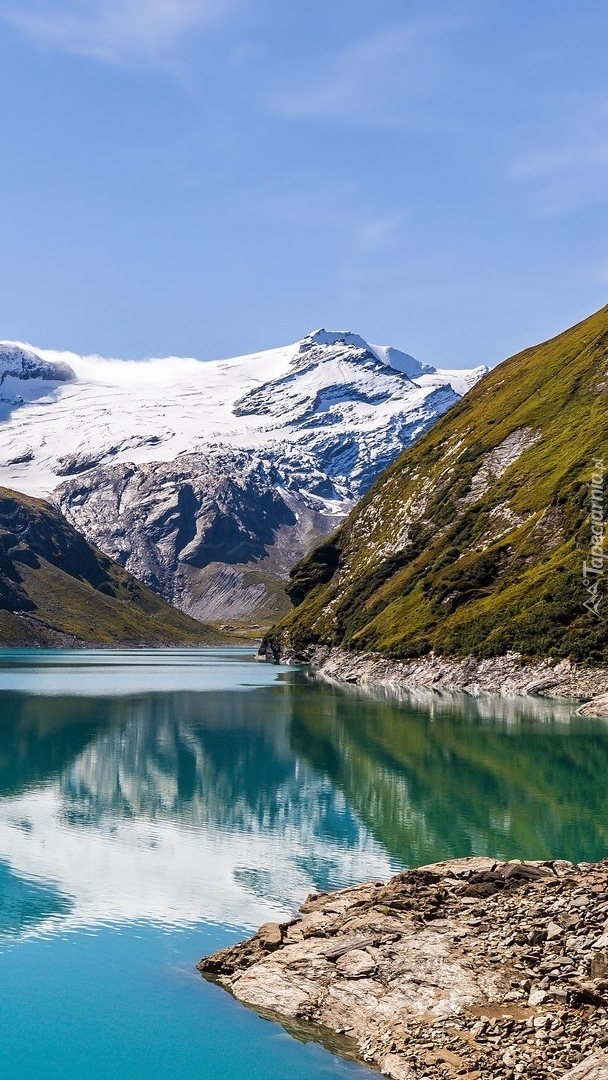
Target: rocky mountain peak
[323,348]
[336,337]
[328,344]
[19,362]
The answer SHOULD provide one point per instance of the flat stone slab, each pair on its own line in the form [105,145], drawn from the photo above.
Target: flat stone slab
[471,969]
[594,1067]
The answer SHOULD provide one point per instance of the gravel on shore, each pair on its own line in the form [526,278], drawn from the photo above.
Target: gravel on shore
[471,969]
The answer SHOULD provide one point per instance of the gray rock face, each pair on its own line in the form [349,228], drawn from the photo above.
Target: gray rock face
[511,675]
[443,971]
[198,530]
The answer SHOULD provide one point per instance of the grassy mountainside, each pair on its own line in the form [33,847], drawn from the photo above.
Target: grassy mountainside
[56,589]
[473,541]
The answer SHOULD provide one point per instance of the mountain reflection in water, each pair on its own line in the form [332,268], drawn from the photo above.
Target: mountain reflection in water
[135,802]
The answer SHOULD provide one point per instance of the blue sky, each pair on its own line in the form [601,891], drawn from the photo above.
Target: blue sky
[211,177]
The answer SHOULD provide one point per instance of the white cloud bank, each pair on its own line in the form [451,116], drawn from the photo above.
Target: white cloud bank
[114,31]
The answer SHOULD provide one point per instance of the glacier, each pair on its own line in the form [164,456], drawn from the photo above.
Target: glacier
[209,479]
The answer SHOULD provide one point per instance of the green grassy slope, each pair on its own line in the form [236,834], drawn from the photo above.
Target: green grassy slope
[53,583]
[455,552]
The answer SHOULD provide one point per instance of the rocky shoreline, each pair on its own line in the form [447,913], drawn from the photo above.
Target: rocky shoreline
[471,969]
[510,676]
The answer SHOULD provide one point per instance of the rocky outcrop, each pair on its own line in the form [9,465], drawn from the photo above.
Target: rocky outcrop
[510,676]
[19,365]
[25,378]
[472,968]
[597,706]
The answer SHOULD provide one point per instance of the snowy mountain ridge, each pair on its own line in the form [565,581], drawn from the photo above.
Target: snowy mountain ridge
[179,467]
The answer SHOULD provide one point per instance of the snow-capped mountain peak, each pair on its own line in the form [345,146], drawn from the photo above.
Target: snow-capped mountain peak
[25,377]
[401,361]
[386,354]
[18,362]
[174,465]
[335,337]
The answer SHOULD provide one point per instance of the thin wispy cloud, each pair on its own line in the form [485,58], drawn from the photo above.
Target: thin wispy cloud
[382,81]
[579,155]
[568,166]
[380,233]
[113,31]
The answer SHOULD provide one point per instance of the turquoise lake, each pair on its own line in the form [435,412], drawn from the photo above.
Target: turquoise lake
[156,806]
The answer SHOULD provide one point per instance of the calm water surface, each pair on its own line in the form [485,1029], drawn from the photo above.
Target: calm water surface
[155,806]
